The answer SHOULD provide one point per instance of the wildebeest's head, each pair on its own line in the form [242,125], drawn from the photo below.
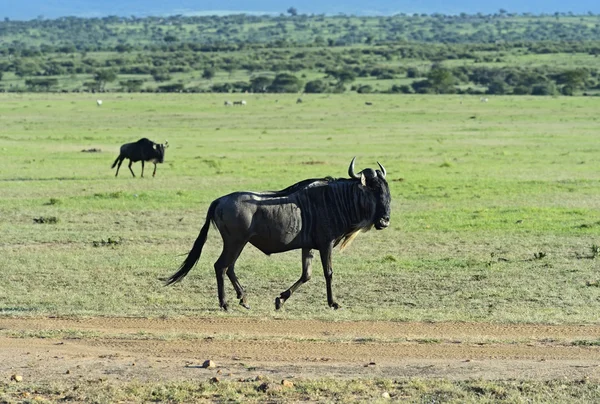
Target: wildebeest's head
[374,182]
[160,151]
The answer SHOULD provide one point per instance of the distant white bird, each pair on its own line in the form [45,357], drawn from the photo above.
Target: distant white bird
[99,102]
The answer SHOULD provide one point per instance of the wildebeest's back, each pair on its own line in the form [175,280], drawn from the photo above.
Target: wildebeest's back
[140,150]
[272,224]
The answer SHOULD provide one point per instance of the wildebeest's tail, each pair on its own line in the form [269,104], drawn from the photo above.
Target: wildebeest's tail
[116,161]
[194,254]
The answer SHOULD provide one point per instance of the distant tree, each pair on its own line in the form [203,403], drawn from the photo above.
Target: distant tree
[41,84]
[412,73]
[169,38]
[132,85]
[160,75]
[547,88]
[498,87]
[208,73]
[260,84]
[364,89]
[342,75]
[172,88]
[285,83]
[441,80]
[104,76]
[292,11]
[316,86]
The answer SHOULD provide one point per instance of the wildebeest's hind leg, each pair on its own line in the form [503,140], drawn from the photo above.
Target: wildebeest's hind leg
[130,163]
[328,272]
[120,160]
[307,257]
[231,252]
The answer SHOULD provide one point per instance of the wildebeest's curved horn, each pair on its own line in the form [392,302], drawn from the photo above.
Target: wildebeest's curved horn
[351,169]
[382,169]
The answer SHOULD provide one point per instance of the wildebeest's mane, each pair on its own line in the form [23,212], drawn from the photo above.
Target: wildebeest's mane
[300,186]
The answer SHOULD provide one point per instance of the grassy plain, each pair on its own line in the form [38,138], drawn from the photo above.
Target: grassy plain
[495,205]
[496,218]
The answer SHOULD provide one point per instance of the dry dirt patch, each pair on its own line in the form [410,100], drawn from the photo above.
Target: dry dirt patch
[174,349]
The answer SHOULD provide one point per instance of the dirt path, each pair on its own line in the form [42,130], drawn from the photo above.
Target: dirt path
[49,349]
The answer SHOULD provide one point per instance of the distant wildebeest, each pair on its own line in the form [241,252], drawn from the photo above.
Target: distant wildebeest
[368,103]
[142,150]
[228,103]
[316,213]
[242,102]
[299,101]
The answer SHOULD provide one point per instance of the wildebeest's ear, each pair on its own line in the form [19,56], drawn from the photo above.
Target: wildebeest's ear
[363,179]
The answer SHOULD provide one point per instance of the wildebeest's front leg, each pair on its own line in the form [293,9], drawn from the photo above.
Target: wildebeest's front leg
[142,168]
[130,163]
[325,253]
[154,172]
[307,257]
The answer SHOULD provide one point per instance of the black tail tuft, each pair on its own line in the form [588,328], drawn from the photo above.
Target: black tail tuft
[196,251]
[115,163]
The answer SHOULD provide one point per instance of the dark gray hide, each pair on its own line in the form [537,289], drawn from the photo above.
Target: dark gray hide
[142,150]
[312,214]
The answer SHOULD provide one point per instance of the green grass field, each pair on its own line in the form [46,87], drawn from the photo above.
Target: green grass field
[496,206]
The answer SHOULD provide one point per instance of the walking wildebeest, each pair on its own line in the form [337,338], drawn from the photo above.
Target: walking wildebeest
[142,150]
[317,213]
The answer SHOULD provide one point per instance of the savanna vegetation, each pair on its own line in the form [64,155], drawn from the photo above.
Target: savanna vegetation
[499,54]
[495,214]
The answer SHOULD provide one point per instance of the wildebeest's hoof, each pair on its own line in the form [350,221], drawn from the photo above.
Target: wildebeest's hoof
[225,307]
[334,306]
[278,303]
[244,305]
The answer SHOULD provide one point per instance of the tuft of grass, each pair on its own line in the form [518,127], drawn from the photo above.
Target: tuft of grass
[110,242]
[46,220]
[110,195]
[586,343]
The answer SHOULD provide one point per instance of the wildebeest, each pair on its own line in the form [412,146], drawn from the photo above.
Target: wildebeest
[316,213]
[228,103]
[142,150]
[299,101]
[242,102]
